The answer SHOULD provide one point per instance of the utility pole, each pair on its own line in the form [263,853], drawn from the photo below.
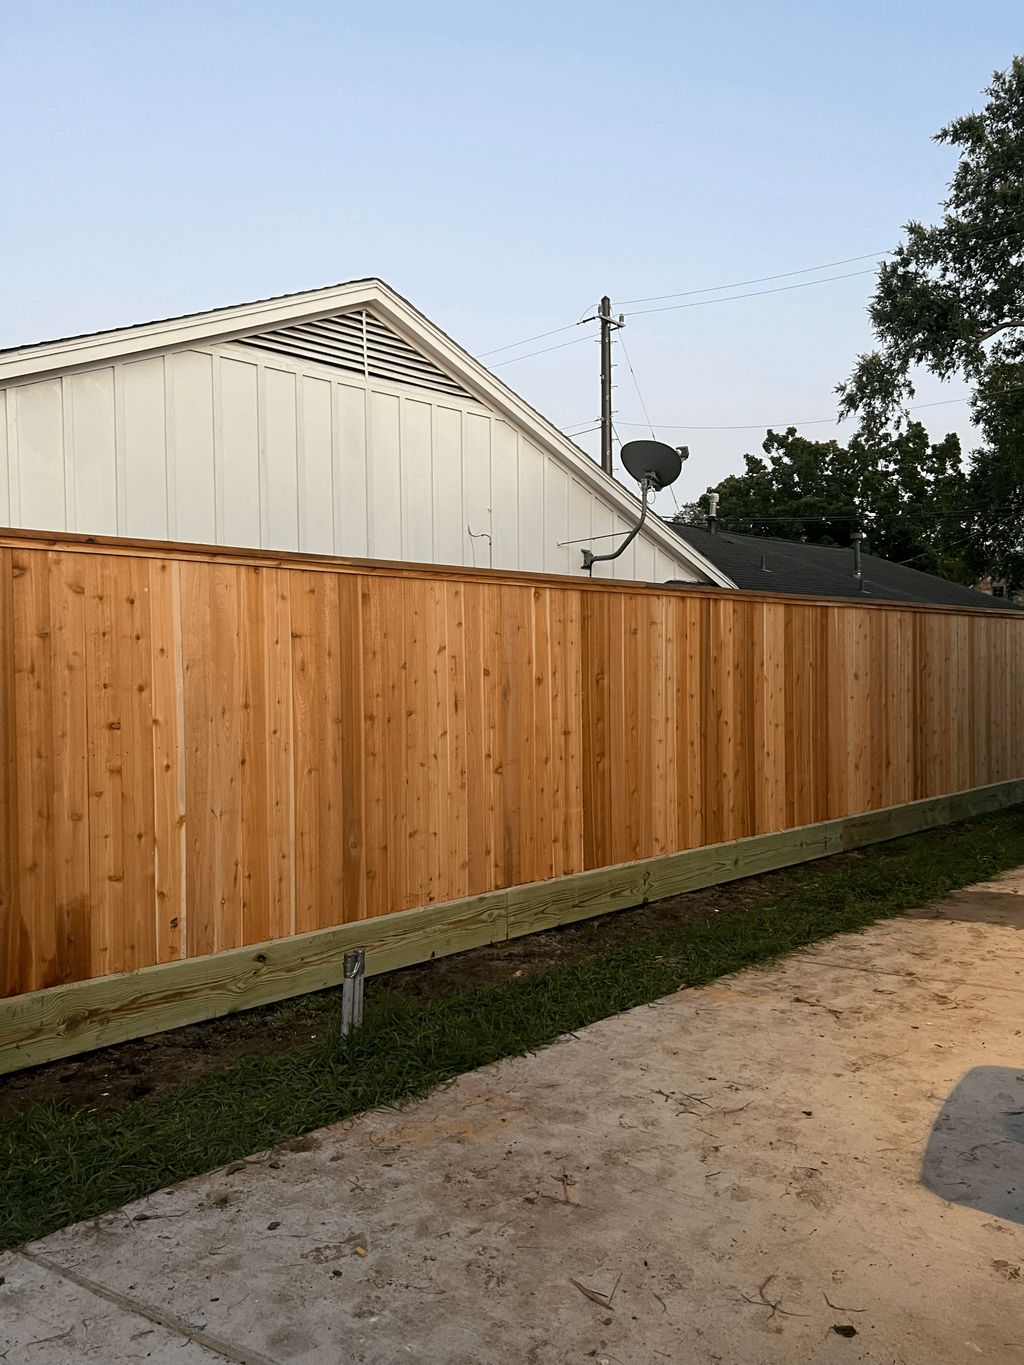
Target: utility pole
[608,325]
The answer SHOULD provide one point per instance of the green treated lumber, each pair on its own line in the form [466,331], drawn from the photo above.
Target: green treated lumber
[61,1021]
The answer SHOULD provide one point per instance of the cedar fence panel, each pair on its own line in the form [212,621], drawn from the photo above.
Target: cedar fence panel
[202,750]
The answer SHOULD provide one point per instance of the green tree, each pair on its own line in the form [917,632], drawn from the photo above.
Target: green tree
[950,301]
[996,479]
[906,492]
[951,297]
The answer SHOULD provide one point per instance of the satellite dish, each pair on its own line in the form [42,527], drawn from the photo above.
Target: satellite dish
[652,461]
[654,466]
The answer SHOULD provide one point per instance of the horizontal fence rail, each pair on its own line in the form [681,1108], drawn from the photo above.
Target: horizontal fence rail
[202,751]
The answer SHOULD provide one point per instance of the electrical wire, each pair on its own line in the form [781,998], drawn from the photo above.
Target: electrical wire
[736,284]
[807,270]
[950,514]
[636,385]
[639,394]
[761,279]
[570,325]
[747,426]
[544,350]
[574,435]
[669,308]
[526,340]
[812,421]
[753,294]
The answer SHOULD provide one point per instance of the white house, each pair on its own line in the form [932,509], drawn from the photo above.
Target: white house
[336,421]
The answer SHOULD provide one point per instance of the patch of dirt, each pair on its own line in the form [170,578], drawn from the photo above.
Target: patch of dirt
[111,1078]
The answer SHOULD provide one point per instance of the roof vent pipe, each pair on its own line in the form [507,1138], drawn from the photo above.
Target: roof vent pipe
[855,539]
[712,513]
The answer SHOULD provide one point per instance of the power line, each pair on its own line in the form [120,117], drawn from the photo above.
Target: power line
[736,284]
[810,269]
[585,432]
[561,345]
[761,279]
[756,293]
[639,394]
[636,385]
[526,340]
[637,312]
[806,270]
[812,421]
[747,426]
[867,512]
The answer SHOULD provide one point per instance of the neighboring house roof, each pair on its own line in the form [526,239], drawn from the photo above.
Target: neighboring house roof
[41,359]
[761,564]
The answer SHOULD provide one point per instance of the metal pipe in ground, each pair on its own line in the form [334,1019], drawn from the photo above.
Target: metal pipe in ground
[353,978]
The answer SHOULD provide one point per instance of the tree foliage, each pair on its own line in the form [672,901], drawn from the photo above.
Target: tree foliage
[950,301]
[904,491]
[996,479]
[951,297]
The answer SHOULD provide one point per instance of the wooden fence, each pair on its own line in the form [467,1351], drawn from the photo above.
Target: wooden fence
[203,749]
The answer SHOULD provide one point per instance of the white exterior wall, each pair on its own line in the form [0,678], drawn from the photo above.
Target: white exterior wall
[226,445]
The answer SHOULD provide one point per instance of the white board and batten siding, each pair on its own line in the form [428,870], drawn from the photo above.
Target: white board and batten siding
[235,445]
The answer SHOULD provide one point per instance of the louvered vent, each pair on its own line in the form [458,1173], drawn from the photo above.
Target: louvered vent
[360,343]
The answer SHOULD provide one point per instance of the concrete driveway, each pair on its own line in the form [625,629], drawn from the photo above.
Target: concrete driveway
[821,1161]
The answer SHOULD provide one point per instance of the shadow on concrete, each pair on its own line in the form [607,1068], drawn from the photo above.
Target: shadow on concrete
[975,1152]
[974,906]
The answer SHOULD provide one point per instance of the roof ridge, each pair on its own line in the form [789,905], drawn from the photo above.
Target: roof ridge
[195,313]
[773,540]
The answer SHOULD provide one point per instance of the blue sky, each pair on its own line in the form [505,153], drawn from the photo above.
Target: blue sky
[502,167]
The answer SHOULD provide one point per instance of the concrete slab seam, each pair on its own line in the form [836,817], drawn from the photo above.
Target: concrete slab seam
[225,1349]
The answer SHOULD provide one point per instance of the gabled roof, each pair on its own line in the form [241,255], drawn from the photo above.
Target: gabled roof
[761,564]
[42,359]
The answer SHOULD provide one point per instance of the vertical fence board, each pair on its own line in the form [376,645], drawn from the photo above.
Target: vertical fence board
[214,702]
[72,888]
[169,832]
[688,661]
[351,699]
[320,794]
[517,739]
[11,908]
[596,785]
[770,711]
[34,960]
[132,676]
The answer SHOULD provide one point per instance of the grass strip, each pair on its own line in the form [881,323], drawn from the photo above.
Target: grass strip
[59,1165]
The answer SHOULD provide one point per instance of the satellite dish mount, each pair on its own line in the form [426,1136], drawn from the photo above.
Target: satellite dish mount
[654,466]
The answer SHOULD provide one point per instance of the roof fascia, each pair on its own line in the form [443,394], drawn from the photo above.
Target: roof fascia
[221,324]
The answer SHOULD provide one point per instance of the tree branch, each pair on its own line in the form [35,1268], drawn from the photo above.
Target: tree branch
[999,327]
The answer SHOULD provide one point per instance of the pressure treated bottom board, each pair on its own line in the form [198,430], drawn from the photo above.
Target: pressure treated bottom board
[45,1025]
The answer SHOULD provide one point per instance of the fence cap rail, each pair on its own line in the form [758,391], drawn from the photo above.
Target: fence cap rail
[72,543]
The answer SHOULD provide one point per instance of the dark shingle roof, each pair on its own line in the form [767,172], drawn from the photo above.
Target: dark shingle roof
[826,571]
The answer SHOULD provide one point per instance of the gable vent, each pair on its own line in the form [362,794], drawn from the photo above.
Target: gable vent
[360,343]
